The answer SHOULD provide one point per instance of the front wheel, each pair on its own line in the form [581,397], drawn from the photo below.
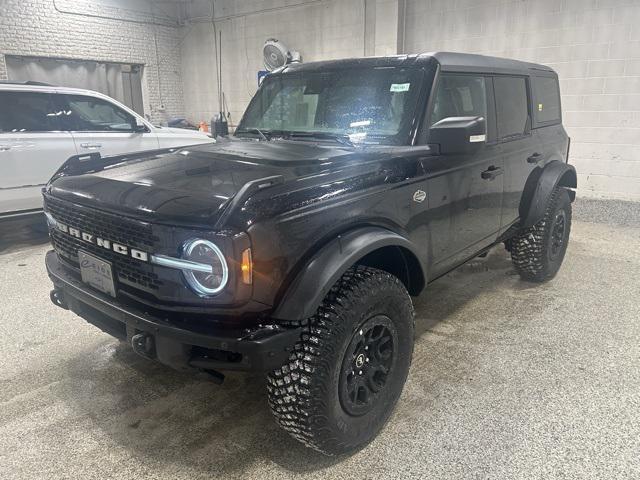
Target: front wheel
[537,252]
[347,371]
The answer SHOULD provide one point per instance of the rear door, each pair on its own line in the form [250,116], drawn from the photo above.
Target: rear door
[520,148]
[465,190]
[32,147]
[98,125]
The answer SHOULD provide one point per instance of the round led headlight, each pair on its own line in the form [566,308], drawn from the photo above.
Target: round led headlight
[205,281]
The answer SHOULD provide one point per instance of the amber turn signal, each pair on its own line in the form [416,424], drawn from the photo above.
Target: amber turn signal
[247,267]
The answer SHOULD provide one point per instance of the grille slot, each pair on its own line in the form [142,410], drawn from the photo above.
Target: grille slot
[113,227]
[128,232]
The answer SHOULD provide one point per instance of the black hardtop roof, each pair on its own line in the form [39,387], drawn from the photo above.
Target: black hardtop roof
[452,61]
[448,61]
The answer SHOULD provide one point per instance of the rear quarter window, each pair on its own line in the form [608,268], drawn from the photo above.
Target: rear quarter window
[546,100]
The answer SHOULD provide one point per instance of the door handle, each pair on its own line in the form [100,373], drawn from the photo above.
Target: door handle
[91,145]
[534,158]
[491,172]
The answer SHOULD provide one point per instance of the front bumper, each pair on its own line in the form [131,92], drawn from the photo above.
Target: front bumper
[260,349]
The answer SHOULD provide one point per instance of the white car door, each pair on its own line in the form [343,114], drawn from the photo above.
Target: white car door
[99,125]
[32,148]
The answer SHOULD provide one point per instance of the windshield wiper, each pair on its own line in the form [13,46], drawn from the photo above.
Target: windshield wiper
[340,138]
[256,130]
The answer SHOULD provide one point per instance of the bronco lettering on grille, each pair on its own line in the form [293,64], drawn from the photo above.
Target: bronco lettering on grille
[100,242]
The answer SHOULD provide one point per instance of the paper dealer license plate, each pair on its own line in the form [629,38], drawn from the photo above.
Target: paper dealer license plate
[97,273]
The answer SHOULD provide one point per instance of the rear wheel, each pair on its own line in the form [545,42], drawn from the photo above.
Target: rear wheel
[538,251]
[341,383]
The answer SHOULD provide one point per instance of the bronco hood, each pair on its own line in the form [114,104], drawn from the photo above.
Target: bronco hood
[194,185]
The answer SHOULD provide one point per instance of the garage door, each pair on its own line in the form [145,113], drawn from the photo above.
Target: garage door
[119,81]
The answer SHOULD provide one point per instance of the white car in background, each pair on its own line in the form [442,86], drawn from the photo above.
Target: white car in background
[42,126]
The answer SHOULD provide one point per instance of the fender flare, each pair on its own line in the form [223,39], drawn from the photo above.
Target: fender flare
[312,283]
[534,201]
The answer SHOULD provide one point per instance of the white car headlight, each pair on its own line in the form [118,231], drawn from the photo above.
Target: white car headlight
[205,281]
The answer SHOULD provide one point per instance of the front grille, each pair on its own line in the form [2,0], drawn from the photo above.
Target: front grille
[118,229]
[129,272]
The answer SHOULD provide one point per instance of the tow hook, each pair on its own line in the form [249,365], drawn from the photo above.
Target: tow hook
[57,297]
[144,345]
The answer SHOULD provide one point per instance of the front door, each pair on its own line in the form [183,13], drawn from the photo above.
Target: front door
[465,191]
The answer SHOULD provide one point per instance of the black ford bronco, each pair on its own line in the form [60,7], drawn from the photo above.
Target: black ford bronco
[294,247]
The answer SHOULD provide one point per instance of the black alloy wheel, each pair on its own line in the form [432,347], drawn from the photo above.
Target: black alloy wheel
[367,364]
[558,234]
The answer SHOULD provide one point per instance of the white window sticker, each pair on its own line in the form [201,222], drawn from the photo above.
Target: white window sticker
[477,138]
[399,87]
[358,137]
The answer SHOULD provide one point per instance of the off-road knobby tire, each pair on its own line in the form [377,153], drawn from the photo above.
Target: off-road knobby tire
[304,392]
[531,248]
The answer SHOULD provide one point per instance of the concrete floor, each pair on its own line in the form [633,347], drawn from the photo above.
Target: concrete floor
[509,380]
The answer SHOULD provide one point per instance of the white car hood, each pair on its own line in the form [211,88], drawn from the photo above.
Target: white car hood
[184,133]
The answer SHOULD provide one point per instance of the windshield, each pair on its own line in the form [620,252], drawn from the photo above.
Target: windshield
[361,104]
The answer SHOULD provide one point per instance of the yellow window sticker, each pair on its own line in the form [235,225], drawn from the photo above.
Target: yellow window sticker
[539,107]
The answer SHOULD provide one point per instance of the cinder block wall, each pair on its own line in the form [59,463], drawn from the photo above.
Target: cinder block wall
[114,31]
[594,45]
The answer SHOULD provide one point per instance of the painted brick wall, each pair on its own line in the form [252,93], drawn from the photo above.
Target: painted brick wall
[37,28]
[594,45]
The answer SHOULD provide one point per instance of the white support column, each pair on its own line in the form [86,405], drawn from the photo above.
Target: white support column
[382,27]
[3,68]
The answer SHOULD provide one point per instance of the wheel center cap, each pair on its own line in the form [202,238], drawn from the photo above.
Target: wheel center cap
[360,360]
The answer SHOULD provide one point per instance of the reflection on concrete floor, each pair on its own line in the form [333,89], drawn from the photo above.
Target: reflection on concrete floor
[20,233]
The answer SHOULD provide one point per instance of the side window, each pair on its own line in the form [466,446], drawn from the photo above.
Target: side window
[511,106]
[459,96]
[90,114]
[24,112]
[546,99]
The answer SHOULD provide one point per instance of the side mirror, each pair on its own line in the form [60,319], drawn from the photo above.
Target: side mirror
[140,127]
[459,134]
